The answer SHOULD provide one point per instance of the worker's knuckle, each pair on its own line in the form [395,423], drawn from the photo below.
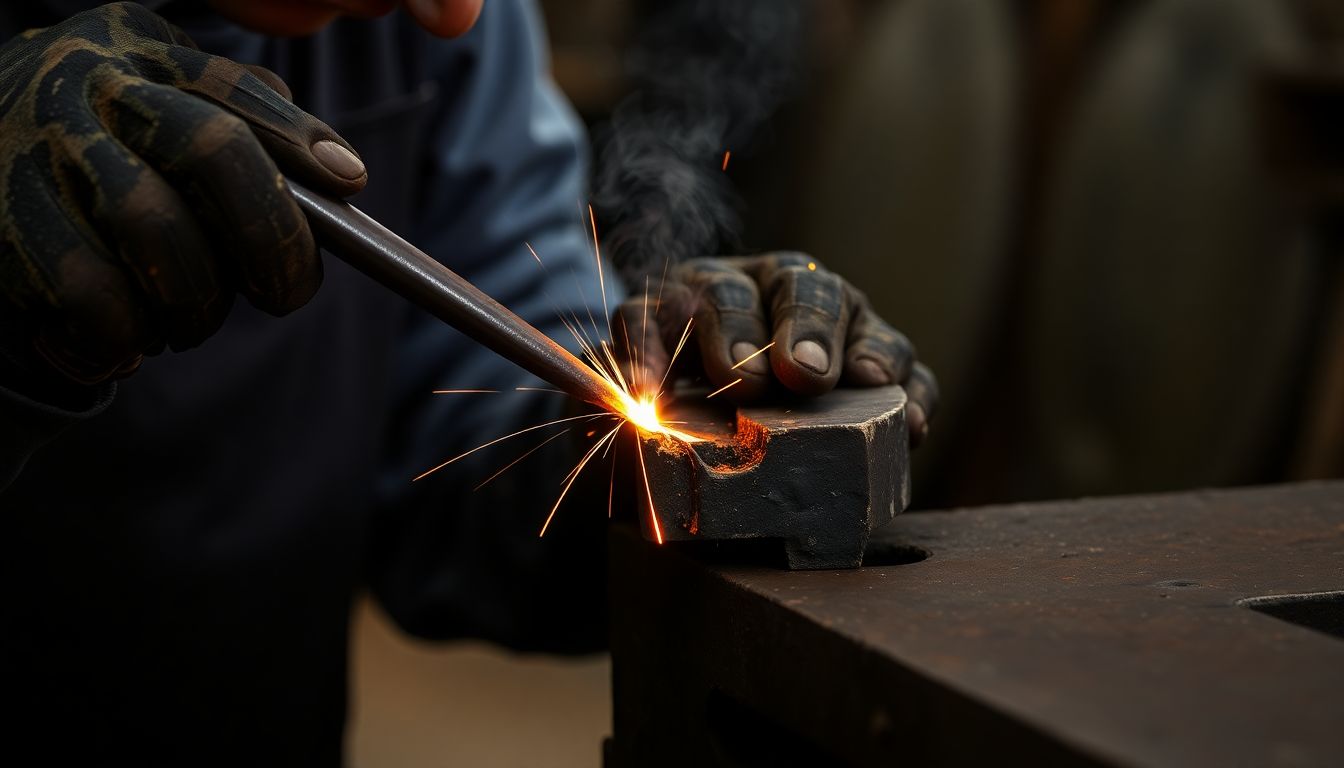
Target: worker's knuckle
[793,259]
[141,21]
[799,286]
[733,291]
[702,268]
[226,130]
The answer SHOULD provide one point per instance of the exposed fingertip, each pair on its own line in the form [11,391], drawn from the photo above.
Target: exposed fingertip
[812,356]
[742,353]
[338,160]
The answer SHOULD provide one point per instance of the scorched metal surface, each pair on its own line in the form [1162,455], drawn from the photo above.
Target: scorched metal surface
[817,475]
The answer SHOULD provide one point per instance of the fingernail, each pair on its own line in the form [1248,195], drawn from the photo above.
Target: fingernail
[426,11]
[869,372]
[744,349]
[812,356]
[338,160]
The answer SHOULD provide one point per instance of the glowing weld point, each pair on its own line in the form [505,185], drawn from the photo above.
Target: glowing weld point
[812,265]
[643,413]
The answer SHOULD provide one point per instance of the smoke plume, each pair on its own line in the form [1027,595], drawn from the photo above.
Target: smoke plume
[708,74]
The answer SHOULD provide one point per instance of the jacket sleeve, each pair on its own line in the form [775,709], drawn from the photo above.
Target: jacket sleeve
[509,170]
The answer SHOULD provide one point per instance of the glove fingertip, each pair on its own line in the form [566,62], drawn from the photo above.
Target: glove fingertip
[345,169]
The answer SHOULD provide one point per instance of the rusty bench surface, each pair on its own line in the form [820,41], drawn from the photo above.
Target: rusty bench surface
[1105,631]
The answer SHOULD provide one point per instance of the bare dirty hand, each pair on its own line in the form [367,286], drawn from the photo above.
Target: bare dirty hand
[816,328]
[139,191]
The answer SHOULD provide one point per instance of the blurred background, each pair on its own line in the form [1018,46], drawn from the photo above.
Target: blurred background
[1114,228]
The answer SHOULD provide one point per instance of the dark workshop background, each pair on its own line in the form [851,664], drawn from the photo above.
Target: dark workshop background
[1112,227]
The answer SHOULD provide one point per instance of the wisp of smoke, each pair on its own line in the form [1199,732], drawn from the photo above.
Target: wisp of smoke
[707,73]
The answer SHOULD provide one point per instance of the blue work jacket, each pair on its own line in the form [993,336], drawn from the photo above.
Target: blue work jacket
[180,559]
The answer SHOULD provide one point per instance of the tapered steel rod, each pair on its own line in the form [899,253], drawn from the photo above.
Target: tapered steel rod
[378,252]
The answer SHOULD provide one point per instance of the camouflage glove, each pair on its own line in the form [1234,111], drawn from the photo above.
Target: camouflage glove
[139,191]
[823,331]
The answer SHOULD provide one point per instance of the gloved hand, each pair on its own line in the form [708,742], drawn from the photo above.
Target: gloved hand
[823,330]
[139,190]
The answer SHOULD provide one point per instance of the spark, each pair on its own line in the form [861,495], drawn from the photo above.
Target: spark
[659,303]
[726,154]
[812,266]
[685,334]
[644,334]
[601,281]
[611,487]
[533,251]
[574,475]
[720,389]
[589,416]
[648,492]
[753,354]
[632,401]
[533,450]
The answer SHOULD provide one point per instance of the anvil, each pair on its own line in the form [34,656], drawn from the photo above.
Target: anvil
[817,474]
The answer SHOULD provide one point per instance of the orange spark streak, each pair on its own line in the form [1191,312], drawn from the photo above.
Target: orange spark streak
[601,281]
[585,343]
[657,305]
[574,475]
[584,298]
[720,389]
[629,352]
[644,334]
[533,450]
[726,155]
[465,392]
[611,488]
[685,334]
[653,516]
[753,354]
[588,416]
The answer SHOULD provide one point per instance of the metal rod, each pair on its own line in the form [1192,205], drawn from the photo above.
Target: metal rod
[378,252]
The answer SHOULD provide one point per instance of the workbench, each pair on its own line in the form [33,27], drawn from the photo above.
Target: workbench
[1191,629]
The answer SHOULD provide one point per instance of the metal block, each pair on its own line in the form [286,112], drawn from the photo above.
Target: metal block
[819,474]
